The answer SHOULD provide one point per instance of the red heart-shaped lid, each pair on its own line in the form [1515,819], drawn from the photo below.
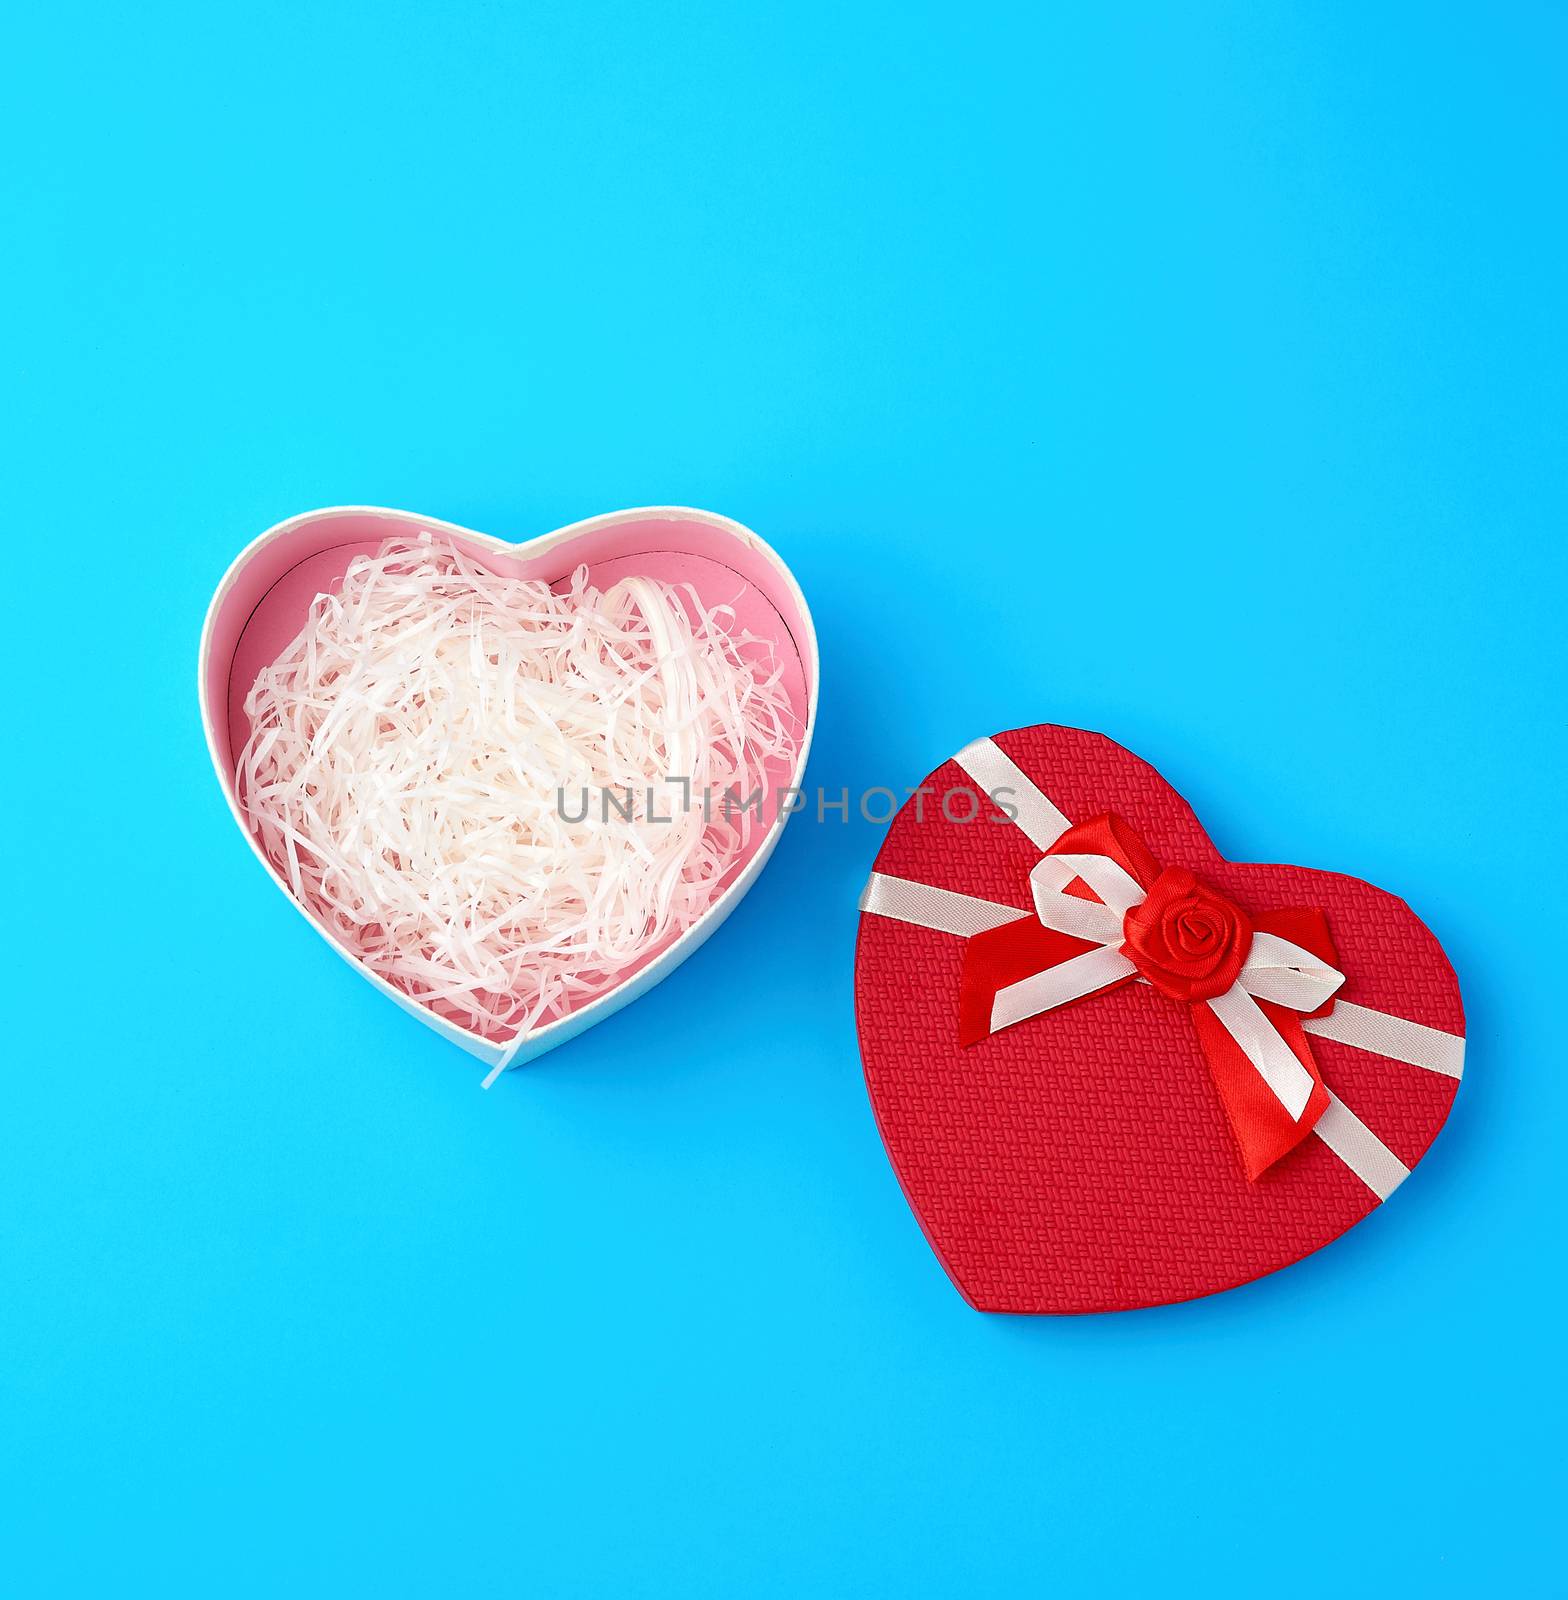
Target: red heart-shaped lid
[1087,1158]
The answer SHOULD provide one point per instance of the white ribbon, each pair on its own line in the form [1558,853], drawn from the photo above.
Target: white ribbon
[1360,1027]
[1276,970]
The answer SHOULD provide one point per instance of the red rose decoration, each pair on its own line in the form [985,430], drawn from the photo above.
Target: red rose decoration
[1085,1157]
[1188,941]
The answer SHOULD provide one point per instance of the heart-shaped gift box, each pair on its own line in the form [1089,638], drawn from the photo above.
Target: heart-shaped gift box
[1113,1069]
[264,598]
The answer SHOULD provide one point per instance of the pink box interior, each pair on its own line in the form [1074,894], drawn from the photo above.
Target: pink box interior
[269,597]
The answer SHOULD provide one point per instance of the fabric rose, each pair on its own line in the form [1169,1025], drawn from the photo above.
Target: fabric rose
[1188,941]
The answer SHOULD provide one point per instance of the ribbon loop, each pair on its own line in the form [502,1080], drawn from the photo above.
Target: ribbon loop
[1108,914]
[1097,920]
[1284,973]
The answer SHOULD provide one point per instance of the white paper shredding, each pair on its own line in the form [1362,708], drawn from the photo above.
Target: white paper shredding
[451,769]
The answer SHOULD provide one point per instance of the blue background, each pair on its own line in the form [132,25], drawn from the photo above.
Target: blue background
[1199,379]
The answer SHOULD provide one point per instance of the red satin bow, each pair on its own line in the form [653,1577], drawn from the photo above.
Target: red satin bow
[1190,943]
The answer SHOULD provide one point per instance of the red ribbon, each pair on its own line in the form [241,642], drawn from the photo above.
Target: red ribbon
[1190,943]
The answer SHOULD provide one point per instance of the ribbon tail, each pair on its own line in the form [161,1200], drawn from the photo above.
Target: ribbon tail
[1264,1130]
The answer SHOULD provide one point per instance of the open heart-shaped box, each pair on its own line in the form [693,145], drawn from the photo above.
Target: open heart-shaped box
[264,598]
[1081,1120]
